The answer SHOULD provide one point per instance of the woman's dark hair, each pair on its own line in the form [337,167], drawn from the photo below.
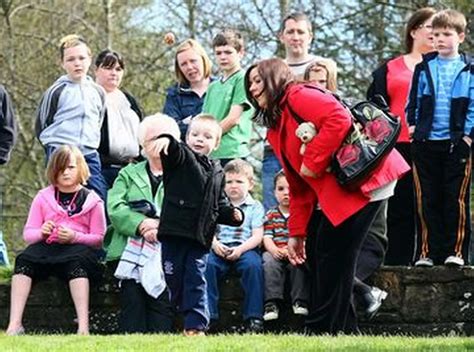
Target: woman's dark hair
[108,59]
[276,75]
[414,22]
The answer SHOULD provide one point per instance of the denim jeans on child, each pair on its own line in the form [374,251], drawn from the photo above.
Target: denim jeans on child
[270,167]
[249,266]
[184,265]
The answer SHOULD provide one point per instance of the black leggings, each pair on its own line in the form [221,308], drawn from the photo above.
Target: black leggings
[37,271]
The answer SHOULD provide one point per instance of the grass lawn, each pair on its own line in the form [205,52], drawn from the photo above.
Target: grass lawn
[260,343]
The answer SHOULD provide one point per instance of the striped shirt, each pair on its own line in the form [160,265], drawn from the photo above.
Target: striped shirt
[276,227]
[447,68]
[254,216]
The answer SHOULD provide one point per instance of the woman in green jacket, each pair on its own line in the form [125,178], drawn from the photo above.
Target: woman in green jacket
[140,312]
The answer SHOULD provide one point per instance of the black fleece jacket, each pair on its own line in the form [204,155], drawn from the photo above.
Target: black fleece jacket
[194,200]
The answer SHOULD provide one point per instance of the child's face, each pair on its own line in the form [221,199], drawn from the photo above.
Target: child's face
[296,38]
[237,186]
[191,65]
[319,76]
[282,192]
[76,62]
[447,41]
[68,178]
[202,137]
[228,58]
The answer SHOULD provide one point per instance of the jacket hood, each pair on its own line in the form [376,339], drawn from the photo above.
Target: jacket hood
[66,79]
[48,195]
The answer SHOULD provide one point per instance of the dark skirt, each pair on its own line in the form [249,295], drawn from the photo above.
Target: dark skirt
[66,261]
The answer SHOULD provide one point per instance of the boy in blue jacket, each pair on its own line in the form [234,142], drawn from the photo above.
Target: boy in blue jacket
[440,114]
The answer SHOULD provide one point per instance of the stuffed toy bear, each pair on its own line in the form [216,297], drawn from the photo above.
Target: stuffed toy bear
[305,131]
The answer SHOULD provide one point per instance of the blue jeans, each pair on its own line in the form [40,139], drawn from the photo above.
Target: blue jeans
[270,167]
[250,268]
[184,265]
[96,181]
[110,173]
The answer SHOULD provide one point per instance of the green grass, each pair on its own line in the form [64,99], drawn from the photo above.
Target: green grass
[260,343]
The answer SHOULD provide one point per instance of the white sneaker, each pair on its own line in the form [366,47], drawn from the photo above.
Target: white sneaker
[375,298]
[300,308]
[424,262]
[271,311]
[453,260]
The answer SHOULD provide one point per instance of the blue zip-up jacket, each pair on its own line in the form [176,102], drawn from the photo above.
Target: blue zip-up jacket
[71,113]
[421,101]
[182,102]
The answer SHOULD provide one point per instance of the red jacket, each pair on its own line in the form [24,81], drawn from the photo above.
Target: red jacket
[332,122]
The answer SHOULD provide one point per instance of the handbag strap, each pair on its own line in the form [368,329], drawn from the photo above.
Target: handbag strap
[299,119]
[377,100]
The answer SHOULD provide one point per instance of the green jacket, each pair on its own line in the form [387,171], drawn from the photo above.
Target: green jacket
[132,183]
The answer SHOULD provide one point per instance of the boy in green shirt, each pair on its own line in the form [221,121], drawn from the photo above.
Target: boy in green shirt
[226,100]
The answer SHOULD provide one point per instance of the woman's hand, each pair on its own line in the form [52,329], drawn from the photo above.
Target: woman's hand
[304,171]
[47,228]
[65,235]
[296,250]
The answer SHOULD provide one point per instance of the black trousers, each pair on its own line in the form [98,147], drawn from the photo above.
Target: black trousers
[332,254]
[401,231]
[372,253]
[442,175]
[142,313]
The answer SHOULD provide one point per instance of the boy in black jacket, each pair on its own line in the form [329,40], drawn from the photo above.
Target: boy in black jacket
[193,204]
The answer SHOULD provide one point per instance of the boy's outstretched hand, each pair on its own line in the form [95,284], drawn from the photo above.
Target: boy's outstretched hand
[161,145]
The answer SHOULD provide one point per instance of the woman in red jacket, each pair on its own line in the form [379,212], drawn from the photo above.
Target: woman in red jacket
[333,236]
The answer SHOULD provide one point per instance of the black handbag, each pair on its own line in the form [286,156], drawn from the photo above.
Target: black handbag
[372,136]
[144,207]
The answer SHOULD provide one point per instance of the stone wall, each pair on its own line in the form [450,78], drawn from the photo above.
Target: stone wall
[421,301]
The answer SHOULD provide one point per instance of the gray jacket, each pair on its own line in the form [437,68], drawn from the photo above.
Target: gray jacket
[8,127]
[71,113]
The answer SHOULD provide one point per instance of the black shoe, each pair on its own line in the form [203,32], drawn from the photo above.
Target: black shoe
[255,325]
[373,301]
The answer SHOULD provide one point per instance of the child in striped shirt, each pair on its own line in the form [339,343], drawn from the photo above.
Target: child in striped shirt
[276,266]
